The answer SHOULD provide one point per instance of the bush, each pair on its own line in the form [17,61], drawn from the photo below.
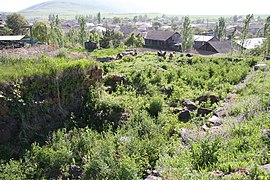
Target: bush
[155,107]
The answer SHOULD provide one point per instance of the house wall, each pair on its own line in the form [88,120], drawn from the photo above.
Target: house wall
[165,45]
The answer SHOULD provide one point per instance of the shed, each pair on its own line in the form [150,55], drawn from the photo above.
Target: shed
[199,40]
[11,41]
[167,40]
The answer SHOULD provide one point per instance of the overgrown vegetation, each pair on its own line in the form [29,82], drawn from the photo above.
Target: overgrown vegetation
[132,125]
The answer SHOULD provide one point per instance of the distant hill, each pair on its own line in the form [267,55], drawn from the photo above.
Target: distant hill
[78,7]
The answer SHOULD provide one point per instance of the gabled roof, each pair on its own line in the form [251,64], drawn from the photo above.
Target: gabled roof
[221,46]
[251,43]
[203,38]
[159,35]
[11,38]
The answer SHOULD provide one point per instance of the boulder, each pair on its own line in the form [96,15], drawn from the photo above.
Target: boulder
[184,116]
[204,111]
[191,106]
[260,66]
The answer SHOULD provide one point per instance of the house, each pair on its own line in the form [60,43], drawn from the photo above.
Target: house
[251,43]
[214,47]
[199,40]
[166,40]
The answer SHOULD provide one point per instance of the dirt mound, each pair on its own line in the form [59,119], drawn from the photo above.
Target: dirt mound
[34,51]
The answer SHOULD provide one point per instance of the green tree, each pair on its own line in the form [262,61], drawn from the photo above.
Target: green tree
[245,31]
[14,22]
[187,34]
[5,31]
[99,17]
[111,38]
[133,41]
[41,32]
[57,35]
[267,35]
[83,33]
[156,25]
[116,20]
[220,30]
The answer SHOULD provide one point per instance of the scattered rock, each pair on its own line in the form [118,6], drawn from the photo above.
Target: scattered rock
[191,106]
[214,121]
[184,116]
[266,58]
[260,66]
[185,135]
[204,111]
[75,172]
[266,168]
[238,172]
[212,98]
[216,173]
[151,177]
[177,110]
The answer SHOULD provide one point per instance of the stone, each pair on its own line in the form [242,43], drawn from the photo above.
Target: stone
[177,110]
[265,168]
[204,111]
[212,98]
[191,106]
[260,66]
[151,177]
[184,116]
[216,173]
[214,121]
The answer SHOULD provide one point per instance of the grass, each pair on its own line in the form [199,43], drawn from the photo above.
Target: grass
[14,69]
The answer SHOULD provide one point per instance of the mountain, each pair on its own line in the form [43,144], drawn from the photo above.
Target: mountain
[80,7]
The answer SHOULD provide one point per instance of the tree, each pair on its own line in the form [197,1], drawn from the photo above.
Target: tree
[134,41]
[220,30]
[245,31]
[99,17]
[187,34]
[5,31]
[156,25]
[56,35]
[14,22]
[111,38]
[41,32]
[83,35]
[116,20]
[267,35]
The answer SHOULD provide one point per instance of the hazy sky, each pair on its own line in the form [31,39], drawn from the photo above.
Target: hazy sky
[182,7]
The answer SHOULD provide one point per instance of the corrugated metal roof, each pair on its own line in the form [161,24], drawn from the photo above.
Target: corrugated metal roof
[251,43]
[11,38]
[202,38]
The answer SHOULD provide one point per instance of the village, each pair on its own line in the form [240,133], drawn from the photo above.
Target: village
[158,33]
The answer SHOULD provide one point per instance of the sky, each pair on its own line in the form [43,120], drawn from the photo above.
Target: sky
[181,7]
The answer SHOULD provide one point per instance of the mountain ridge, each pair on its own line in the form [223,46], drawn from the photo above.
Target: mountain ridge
[72,8]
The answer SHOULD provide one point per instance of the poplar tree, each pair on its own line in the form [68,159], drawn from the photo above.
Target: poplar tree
[187,35]
[267,36]
[245,31]
[220,30]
